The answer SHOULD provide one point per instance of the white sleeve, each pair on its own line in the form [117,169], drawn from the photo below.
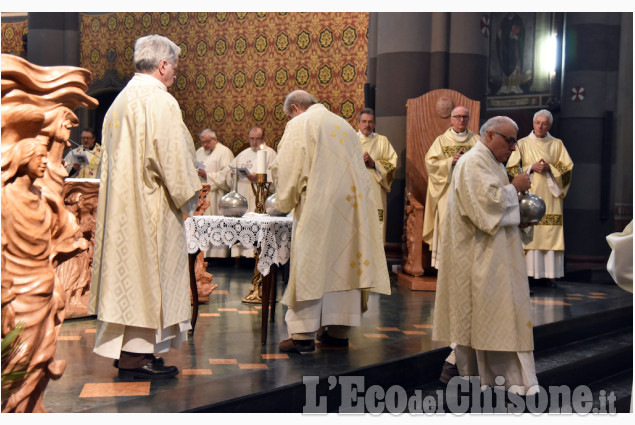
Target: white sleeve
[511,216]
[620,264]
[189,208]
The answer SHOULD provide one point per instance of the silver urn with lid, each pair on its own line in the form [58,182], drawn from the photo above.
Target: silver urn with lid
[532,208]
[270,207]
[233,204]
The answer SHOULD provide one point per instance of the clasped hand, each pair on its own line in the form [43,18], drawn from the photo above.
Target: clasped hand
[540,167]
[368,160]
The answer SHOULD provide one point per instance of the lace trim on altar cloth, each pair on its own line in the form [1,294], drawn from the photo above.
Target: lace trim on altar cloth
[272,235]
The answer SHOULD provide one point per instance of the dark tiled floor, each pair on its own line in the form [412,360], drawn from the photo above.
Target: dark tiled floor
[225,359]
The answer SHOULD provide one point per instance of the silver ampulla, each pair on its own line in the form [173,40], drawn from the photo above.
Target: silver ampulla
[532,207]
[233,204]
[270,207]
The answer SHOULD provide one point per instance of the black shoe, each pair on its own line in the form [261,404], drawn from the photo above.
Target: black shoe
[448,372]
[327,339]
[543,283]
[159,360]
[154,369]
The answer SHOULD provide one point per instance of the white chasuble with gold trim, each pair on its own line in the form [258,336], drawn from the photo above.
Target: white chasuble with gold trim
[482,299]
[337,243]
[552,186]
[381,177]
[439,167]
[140,271]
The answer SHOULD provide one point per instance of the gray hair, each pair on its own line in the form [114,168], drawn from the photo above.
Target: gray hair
[257,127]
[368,111]
[544,113]
[496,123]
[207,131]
[460,106]
[300,98]
[150,50]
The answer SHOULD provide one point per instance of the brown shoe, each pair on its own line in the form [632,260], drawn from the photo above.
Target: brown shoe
[449,371]
[297,345]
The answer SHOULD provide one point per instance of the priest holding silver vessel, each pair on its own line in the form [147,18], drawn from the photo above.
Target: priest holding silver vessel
[482,302]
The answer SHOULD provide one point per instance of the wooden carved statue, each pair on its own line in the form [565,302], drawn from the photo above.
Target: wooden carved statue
[428,117]
[80,198]
[204,283]
[38,231]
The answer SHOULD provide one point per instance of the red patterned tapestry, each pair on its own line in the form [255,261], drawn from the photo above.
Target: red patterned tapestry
[235,69]
[12,37]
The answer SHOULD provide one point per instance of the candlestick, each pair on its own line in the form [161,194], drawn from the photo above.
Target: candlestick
[261,191]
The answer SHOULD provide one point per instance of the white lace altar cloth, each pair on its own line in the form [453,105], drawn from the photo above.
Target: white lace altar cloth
[272,235]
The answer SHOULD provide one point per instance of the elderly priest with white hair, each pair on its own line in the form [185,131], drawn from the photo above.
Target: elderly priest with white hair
[140,282]
[482,302]
[548,163]
[213,160]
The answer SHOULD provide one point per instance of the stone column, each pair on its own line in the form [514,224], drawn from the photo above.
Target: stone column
[468,56]
[623,176]
[588,126]
[409,55]
[401,71]
[53,38]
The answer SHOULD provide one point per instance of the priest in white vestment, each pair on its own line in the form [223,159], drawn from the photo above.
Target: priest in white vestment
[549,165]
[380,159]
[482,301]
[140,280]
[213,160]
[440,159]
[247,159]
[89,152]
[336,250]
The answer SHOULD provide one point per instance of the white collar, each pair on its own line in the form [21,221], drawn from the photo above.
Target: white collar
[373,134]
[459,137]
[147,78]
[547,137]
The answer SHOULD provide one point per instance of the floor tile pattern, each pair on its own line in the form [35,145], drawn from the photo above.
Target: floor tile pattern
[226,345]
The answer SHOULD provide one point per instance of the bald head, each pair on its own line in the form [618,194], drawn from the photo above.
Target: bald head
[500,134]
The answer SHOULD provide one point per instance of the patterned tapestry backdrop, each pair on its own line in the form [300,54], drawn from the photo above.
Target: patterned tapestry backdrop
[235,69]
[12,37]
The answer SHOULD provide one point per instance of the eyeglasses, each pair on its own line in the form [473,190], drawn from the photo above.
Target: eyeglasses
[509,140]
[461,117]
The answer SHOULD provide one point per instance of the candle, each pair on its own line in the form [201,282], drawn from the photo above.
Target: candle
[261,162]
